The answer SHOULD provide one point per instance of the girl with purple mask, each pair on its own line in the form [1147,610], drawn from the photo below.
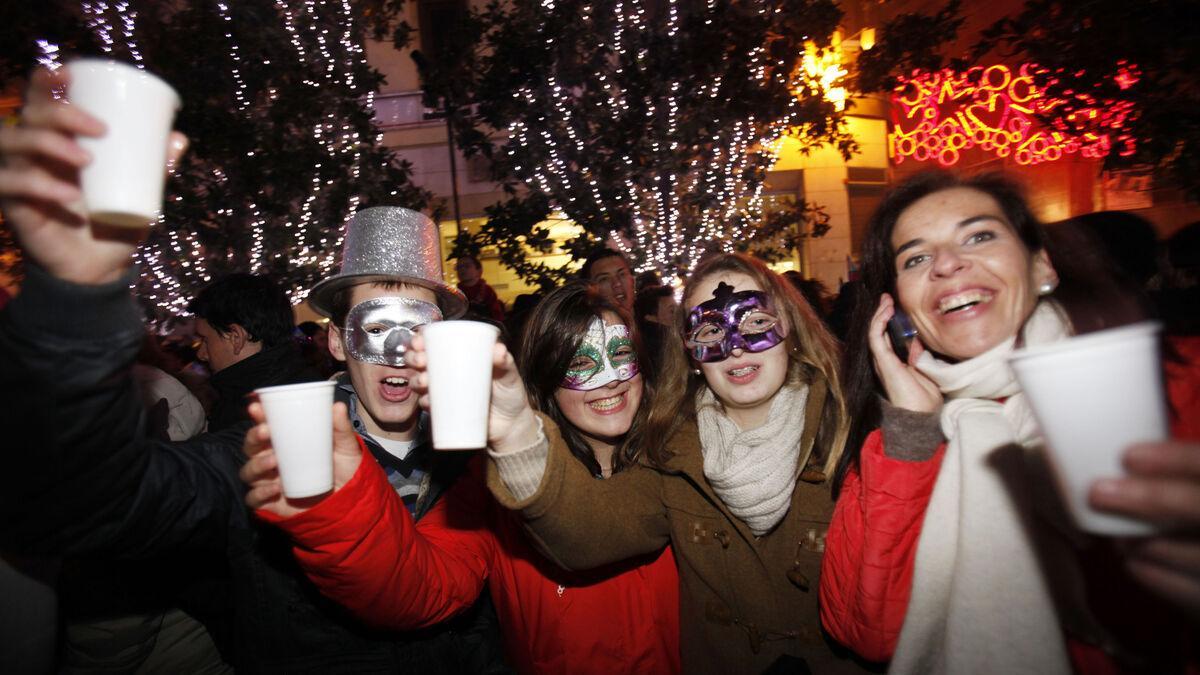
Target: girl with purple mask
[740,437]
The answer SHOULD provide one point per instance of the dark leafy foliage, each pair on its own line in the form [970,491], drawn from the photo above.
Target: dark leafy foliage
[263,159]
[619,156]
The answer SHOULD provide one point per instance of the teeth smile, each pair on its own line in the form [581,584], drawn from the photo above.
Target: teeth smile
[609,403]
[963,300]
[746,370]
[396,381]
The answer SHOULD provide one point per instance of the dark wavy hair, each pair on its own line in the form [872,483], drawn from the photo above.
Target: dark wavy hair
[1087,291]
[553,333]
[252,301]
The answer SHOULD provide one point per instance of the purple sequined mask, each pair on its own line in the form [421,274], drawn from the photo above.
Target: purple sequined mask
[731,320]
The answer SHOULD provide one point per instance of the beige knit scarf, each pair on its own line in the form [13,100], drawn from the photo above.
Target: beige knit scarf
[980,602]
[754,471]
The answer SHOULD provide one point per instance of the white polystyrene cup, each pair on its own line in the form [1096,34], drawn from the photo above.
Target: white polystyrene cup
[460,381]
[300,417]
[1094,395]
[123,184]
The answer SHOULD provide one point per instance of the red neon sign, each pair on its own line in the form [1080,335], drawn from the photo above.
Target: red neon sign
[938,115]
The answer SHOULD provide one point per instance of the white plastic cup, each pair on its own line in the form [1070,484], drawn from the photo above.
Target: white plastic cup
[300,417]
[460,381]
[1094,395]
[123,185]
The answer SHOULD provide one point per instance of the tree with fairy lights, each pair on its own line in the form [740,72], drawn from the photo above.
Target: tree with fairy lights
[276,102]
[651,125]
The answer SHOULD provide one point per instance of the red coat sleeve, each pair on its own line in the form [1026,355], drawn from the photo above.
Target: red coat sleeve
[361,549]
[866,573]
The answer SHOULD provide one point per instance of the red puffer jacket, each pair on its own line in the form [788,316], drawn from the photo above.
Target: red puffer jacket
[867,571]
[362,549]
[866,574]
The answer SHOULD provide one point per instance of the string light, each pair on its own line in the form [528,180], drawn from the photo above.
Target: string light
[938,115]
[173,260]
[671,226]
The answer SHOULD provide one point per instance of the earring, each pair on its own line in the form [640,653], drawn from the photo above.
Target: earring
[696,371]
[1047,288]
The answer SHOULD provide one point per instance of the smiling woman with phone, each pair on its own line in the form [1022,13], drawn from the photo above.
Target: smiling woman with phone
[949,550]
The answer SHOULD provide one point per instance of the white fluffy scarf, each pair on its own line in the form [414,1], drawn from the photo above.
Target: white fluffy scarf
[980,602]
[754,471]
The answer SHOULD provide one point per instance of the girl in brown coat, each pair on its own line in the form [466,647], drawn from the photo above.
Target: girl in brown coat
[750,429]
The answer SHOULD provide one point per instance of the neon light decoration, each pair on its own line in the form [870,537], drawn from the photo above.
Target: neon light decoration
[936,116]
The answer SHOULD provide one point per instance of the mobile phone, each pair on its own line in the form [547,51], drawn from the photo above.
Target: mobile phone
[901,330]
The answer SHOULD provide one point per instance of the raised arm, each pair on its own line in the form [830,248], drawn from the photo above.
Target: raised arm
[575,519]
[359,544]
[79,474]
[601,521]
[362,549]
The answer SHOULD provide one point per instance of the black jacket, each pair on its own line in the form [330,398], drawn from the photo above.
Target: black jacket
[80,478]
[281,364]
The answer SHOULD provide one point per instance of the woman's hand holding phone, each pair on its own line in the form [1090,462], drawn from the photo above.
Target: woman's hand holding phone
[904,385]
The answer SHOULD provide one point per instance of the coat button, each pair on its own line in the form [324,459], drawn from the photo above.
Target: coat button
[723,537]
[797,577]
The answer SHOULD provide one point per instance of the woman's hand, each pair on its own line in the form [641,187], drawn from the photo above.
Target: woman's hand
[511,422]
[1162,486]
[40,191]
[261,474]
[904,385]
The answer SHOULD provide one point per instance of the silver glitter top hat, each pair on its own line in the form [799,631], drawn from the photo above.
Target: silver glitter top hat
[390,243]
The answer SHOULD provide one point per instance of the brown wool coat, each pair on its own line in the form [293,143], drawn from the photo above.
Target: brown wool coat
[745,601]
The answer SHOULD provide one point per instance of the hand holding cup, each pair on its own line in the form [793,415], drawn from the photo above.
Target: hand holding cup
[511,424]
[1161,485]
[40,186]
[1093,396]
[260,473]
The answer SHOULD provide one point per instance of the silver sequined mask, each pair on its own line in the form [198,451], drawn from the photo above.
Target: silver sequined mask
[380,330]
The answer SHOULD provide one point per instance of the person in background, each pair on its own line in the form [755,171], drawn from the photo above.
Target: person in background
[609,271]
[949,551]
[654,310]
[582,370]
[514,323]
[646,280]
[481,299]
[842,307]
[314,347]
[244,324]
[813,291]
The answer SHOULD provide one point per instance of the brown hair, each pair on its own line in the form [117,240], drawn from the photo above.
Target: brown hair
[812,354]
[553,333]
